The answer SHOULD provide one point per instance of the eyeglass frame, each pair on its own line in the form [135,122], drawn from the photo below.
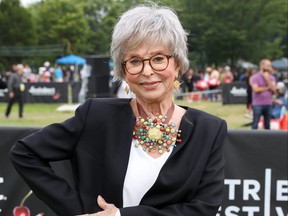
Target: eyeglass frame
[147,59]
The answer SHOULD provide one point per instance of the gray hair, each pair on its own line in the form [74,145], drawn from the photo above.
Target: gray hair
[153,22]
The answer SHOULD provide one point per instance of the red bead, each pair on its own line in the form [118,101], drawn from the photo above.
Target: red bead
[179,140]
[155,121]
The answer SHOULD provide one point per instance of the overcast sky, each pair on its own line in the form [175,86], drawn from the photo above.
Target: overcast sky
[27,2]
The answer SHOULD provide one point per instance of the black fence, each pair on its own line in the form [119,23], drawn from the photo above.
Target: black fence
[256,170]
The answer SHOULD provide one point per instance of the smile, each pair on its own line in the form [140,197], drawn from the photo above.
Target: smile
[150,85]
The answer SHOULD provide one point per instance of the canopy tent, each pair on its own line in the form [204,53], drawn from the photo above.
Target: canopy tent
[245,64]
[72,60]
[280,64]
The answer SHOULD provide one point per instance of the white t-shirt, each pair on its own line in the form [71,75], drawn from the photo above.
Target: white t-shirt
[141,174]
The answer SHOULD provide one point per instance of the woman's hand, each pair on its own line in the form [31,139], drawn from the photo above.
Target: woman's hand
[108,208]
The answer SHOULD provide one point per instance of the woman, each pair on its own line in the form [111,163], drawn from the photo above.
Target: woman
[143,156]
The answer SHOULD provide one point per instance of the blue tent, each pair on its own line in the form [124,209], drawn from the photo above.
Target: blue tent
[71,59]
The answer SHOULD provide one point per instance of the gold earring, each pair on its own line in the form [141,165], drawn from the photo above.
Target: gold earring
[176,84]
[127,89]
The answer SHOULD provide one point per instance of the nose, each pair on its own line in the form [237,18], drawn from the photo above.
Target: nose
[147,69]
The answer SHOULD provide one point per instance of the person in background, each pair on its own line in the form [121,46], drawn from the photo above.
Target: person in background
[133,156]
[280,103]
[16,89]
[188,81]
[249,74]
[85,73]
[228,76]
[58,74]
[263,87]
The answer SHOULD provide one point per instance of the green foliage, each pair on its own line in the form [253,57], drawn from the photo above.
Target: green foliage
[17,28]
[62,21]
[225,30]
[221,31]
[16,24]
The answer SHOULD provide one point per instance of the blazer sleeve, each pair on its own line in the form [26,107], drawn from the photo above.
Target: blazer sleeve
[31,156]
[208,197]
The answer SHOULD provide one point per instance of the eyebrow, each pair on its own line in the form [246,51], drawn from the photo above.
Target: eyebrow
[150,55]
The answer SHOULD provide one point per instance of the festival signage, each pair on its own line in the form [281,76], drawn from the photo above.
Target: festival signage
[41,93]
[234,93]
[46,92]
[256,174]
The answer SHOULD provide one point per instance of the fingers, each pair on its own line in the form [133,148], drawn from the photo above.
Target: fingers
[101,202]
[109,209]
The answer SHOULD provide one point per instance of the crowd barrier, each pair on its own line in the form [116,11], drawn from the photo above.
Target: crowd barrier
[256,178]
[228,93]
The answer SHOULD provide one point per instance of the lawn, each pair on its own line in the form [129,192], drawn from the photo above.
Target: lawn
[40,115]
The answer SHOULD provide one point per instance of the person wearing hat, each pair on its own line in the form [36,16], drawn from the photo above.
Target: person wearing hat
[280,104]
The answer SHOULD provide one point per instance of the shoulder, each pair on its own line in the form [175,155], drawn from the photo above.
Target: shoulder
[199,117]
[104,106]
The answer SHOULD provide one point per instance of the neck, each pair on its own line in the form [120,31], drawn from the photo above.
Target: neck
[153,108]
[144,114]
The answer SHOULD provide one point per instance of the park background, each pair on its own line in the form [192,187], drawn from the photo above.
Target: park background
[224,32]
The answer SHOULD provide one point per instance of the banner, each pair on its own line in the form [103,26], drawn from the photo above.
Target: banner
[41,93]
[256,174]
[46,92]
[234,93]
[256,170]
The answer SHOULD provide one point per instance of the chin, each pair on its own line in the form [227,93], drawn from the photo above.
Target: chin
[153,97]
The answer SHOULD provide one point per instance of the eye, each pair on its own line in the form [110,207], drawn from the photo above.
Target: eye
[135,62]
[158,59]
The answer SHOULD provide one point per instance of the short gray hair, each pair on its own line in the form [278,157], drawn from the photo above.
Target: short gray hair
[159,24]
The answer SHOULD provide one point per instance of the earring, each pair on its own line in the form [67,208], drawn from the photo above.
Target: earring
[176,84]
[127,89]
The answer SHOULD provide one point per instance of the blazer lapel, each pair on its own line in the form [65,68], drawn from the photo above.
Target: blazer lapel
[186,127]
[118,157]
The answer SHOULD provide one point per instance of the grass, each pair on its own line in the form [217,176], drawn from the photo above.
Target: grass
[39,115]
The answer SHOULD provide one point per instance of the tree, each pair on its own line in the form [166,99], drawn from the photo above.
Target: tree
[62,21]
[16,24]
[17,28]
[102,16]
[224,31]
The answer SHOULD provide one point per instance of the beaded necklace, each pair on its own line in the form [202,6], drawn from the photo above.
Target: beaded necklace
[155,133]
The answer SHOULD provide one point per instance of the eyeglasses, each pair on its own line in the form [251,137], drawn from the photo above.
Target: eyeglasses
[157,62]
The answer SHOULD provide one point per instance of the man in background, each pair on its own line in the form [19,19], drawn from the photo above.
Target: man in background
[263,87]
[16,88]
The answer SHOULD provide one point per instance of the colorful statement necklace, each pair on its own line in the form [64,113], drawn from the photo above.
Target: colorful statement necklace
[155,133]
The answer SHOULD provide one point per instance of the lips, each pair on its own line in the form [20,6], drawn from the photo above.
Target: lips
[150,85]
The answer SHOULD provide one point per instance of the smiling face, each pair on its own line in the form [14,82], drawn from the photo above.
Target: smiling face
[150,85]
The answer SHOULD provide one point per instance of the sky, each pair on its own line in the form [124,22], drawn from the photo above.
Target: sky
[27,2]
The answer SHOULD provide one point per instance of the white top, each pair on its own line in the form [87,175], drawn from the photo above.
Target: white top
[141,174]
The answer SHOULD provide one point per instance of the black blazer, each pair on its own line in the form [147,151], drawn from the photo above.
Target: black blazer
[97,141]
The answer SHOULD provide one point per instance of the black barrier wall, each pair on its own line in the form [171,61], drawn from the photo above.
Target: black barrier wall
[256,170]
[41,93]
[234,93]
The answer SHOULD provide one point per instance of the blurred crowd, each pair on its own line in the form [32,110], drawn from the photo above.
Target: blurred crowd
[46,73]
[212,78]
